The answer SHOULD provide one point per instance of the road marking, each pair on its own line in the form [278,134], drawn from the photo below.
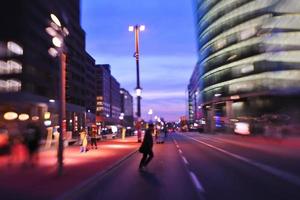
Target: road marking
[177,146]
[184,160]
[180,151]
[272,170]
[196,182]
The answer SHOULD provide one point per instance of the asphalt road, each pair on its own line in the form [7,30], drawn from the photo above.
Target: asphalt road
[193,166]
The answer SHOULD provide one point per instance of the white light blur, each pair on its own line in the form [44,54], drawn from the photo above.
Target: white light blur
[142,27]
[131,28]
[23,117]
[10,67]
[235,97]
[53,52]
[138,92]
[10,116]
[10,85]
[217,95]
[57,42]
[51,100]
[242,128]
[15,48]
[66,31]
[47,123]
[51,31]
[150,111]
[35,118]
[55,20]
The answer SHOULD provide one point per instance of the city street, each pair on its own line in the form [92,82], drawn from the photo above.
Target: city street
[202,166]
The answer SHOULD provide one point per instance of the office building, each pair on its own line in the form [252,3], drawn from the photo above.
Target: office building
[127,108]
[249,53]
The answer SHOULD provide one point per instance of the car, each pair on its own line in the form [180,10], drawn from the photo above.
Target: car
[108,134]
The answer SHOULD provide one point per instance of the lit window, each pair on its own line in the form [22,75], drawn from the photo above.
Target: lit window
[10,67]
[10,85]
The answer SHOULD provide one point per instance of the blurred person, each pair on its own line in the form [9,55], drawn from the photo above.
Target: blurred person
[32,137]
[146,147]
[17,150]
[84,140]
[4,140]
[93,137]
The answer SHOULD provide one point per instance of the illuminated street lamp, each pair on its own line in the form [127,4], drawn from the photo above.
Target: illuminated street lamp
[58,34]
[136,29]
[150,112]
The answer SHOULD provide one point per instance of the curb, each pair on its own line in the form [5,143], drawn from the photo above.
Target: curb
[90,182]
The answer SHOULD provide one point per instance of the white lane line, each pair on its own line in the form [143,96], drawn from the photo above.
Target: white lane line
[177,146]
[196,182]
[184,160]
[179,150]
[272,170]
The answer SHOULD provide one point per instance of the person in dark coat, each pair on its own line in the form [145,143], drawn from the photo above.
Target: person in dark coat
[146,147]
[32,139]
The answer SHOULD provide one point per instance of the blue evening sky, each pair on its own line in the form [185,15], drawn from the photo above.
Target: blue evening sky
[167,48]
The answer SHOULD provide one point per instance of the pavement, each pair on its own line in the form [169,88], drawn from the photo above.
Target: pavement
[20,181]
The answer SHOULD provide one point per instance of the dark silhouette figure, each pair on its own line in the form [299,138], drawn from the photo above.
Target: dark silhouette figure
[32,139]
[94,138]
[146,148]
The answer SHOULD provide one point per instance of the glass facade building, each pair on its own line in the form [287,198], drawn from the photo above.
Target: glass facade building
[249,60]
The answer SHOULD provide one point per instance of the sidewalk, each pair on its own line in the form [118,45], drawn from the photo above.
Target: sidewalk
[41,181]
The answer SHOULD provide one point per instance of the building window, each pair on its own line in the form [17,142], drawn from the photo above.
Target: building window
[11,85]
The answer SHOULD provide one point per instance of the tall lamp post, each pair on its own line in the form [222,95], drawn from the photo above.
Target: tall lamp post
[136,29]
[58,34]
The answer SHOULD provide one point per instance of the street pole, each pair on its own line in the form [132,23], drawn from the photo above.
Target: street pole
[137,54]
[58,33]
[137,29]
[62,112]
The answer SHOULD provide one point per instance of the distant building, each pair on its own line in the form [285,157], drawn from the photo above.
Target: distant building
[29,76]
[115,102]
[249,53]
[103,97]
[127,107]
[108,97]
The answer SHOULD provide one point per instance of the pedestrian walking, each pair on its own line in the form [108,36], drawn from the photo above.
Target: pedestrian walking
[146,147]
[94,137]
[32,139]
[84,141]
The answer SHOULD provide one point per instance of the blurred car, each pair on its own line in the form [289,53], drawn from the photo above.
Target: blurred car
[108,134]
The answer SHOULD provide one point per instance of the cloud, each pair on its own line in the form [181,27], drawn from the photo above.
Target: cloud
[153,95]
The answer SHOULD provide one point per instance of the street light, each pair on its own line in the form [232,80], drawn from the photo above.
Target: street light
[58,34]
[150,112]
[136,29]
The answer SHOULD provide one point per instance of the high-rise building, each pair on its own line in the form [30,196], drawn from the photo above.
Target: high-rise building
[249,56]
[115,103]
[127,107]
[103,97]
[108,98]
[29,76]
